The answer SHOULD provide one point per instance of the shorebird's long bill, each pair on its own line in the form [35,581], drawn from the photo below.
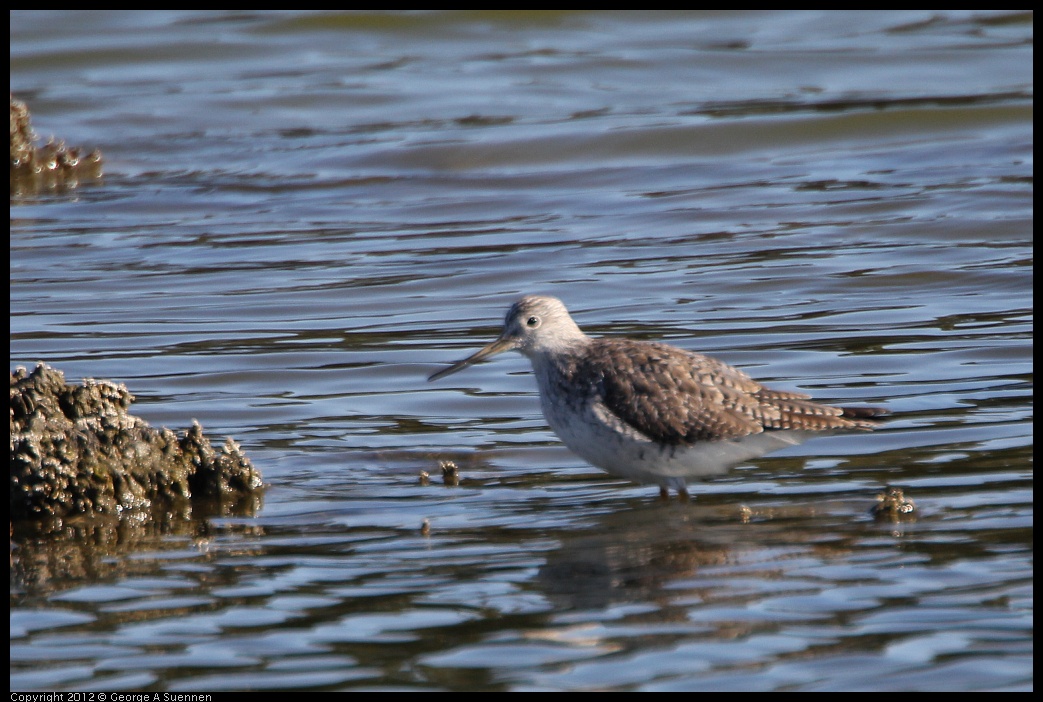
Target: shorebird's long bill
[499,346]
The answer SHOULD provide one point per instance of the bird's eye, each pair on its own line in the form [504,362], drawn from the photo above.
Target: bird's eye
[533,321]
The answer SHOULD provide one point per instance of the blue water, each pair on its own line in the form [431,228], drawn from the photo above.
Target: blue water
[304,214]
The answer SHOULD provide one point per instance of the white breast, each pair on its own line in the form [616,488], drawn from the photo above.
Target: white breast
[598,436]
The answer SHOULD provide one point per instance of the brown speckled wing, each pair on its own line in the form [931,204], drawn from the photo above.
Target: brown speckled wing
[676,397]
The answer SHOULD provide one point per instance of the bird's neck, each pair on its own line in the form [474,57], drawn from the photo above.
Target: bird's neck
[559,358]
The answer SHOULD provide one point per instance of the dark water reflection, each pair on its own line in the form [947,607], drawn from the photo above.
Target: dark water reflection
[304,214]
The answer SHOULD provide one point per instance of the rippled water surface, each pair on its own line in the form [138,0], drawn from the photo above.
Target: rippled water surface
[306,214]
